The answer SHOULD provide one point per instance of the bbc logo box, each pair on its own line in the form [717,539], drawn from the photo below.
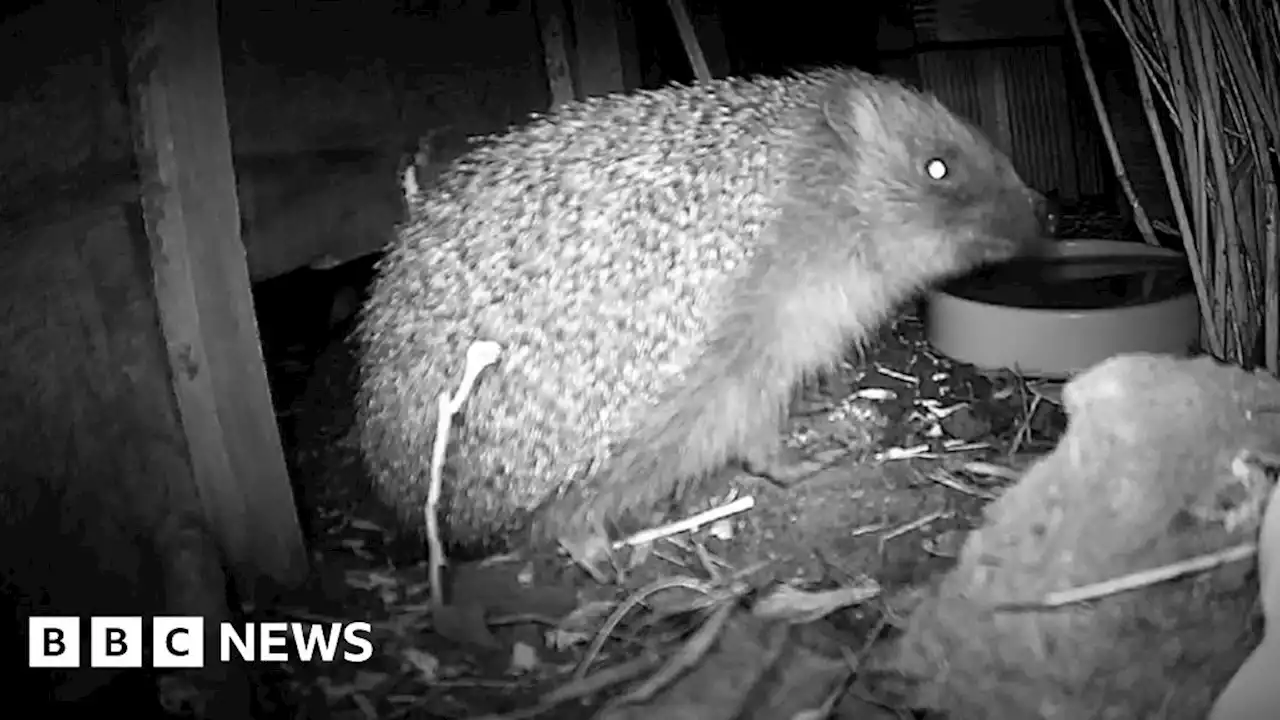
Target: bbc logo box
[115,642]
[54,642]
[179,642]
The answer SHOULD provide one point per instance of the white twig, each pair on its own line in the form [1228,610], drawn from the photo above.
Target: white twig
[688,524]
[480,355]
[1134,581]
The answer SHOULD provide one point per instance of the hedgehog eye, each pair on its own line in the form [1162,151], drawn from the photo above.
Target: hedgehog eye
[937,168]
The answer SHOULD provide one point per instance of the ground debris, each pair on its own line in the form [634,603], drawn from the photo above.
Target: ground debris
[765,610]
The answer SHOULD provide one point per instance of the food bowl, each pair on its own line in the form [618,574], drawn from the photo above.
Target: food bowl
[1053,317]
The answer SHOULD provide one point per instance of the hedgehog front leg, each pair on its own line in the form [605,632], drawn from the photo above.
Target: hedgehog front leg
[780,465]
[713,418]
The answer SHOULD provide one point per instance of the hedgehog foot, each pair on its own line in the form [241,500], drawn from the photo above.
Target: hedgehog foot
[784,468]
[571,521]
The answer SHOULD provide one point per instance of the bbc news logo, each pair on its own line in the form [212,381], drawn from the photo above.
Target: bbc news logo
[178,642]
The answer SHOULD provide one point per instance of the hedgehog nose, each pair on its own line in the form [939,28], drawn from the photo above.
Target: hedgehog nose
[1046,221]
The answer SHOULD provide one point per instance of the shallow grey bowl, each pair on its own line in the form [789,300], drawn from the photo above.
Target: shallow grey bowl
[1057,343]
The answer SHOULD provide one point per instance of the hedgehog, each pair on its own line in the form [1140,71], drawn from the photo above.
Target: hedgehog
[661,269]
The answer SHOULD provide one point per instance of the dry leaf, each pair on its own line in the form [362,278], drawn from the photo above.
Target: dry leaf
[427,665]
[792,605]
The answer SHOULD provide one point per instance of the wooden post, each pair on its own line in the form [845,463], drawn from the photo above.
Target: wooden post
[1068,174]
[597,47]
[553,27]
[202,289]
[708,27]
[628,47]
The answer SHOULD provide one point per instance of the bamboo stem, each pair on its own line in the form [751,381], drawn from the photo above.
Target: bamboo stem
[1240,63]
[1271,312]
[1207,319]
[1214,70]
[1108,136]
[1227,239]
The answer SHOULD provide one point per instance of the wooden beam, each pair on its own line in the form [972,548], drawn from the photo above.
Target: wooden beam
[689,39]
[597,47]
[628,47]
[202,289]
[553,28]
[708,27]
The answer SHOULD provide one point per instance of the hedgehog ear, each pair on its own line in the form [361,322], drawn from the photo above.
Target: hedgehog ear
[851,115]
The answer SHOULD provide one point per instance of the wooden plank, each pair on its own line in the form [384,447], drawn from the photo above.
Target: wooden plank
[1069,177]
[597,47]
[553,28]
[202,289]
[628,44]
[708,27]
[967,21]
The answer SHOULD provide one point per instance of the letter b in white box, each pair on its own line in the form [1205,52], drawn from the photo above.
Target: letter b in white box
[115,642]
[53,642]
[177,642]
